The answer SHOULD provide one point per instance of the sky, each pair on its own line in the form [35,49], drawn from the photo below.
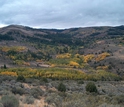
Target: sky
[61,13]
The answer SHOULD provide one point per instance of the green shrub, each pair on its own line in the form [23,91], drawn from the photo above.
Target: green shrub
[21,78]
[36,92]
[91,87]
[9,101]
[18,90]
[81,82]
[6,78]
[43,80]
[61,87]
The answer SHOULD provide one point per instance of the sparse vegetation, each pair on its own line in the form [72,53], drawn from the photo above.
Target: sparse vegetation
[75,94]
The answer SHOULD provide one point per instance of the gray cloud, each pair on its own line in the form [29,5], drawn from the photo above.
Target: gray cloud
[62,13]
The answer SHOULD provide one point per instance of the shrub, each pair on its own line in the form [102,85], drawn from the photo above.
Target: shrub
[44,80]
[1,105]
[81,82]
[29,100]
[119,99]
[91,87]
[21,78]
[36,92]
[61,87]
[6,78]
[18,90]
[9,101]
[55,99]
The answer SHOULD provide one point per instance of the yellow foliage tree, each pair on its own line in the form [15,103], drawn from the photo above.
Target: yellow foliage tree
[13,48]
[88,57]
[9,73]
[102,56]
[67,55]
[72,63]
[102,67]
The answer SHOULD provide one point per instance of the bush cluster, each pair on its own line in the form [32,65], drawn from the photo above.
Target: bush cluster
[21,78]
[91,87]
[10,101]
[61,87]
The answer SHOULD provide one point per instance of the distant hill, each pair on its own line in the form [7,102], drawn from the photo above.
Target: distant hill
[25,46]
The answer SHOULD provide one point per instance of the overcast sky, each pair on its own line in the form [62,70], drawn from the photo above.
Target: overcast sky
[62,13]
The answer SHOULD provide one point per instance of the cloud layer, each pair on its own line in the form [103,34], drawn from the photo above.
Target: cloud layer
[62,13]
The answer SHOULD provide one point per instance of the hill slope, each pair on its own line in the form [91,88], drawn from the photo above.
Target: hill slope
[87,49]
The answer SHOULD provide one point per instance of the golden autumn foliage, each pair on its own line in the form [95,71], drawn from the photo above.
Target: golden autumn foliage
[67,55]
[102,67]
[12,57]
[38,60]
[77,55]
[102,56]
[53,65]
[60,73]
[13,48]
[9,73]
[72,63]
[88,57]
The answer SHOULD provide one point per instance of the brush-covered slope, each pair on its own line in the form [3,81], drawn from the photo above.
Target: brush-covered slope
[88,49]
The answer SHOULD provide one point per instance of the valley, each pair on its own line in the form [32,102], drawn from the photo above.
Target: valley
[31,58]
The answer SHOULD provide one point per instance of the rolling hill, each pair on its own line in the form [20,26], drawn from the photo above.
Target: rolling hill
[87,49]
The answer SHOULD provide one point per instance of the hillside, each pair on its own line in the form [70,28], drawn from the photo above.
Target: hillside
[86,49]
[52,68]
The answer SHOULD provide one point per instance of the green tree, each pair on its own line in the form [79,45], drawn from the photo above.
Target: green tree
[91,87]
[61,87]
[4,66]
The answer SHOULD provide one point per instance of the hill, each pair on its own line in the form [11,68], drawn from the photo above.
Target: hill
[53,68]
[87,49]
